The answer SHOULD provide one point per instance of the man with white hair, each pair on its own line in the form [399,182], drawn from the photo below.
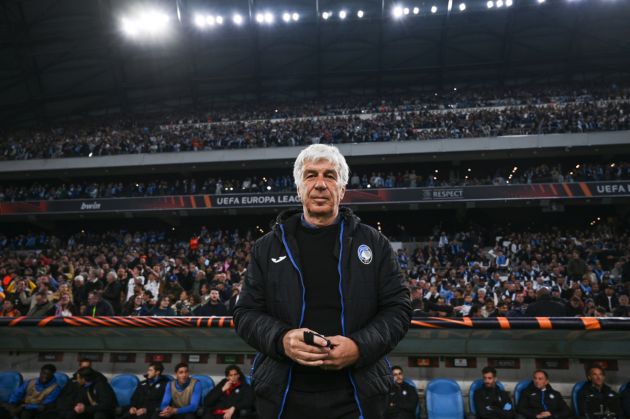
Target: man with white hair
[323,303]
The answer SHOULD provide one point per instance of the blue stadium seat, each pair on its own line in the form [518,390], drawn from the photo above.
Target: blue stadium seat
[444,399]
[62,379]
[412,384]
[522,385]
[623,387]
[9,382]
[476,385]
[207,383]
[574,396]
[124,385]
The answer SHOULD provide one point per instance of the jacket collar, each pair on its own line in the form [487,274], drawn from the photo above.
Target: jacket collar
[290,219]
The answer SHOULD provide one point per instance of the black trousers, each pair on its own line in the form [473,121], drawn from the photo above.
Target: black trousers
[337,404]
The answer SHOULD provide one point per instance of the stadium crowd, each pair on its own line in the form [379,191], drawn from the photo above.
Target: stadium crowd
[402,119]
[254,184]
[472,273]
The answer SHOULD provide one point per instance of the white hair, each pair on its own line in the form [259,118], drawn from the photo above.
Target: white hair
[319,152]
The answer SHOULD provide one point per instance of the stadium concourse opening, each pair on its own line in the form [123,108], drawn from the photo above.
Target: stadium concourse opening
[145,147]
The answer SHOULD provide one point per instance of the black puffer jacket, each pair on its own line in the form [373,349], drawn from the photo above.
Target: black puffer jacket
[376,303]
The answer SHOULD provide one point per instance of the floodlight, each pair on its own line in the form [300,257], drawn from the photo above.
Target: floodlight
[211,20]
[508,3]
[416,10]
[360,14]
[462,7]
[237,19]
[268,17]
[490,4]
[260,18]
[343,14]
[219,20]
[499,3]
[433,9]
[397,12]
[295,16]
[325,15]
[405,11]
[200,21]
[286,17]
[129,27]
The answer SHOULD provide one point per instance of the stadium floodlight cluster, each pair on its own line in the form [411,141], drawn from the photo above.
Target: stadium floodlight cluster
[146,23]
[154,23]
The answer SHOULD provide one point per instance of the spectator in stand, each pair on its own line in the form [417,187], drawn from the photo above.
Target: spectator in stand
[136,307]
[42,307]
[9,310]
[97,306]
[214,306]
[112,291]
[163,307]
[623,309]
[544,306]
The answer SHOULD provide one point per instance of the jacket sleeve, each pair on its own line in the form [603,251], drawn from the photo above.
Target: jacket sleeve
[136,397]
[18,395]
[215,395]
[409,402]
[252,322]
[105,398]
[246,400]
[524,408]
[166,400]
[390,324]
[563,408]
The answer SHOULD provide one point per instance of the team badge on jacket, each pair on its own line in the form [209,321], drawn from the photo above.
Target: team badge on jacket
[365,254]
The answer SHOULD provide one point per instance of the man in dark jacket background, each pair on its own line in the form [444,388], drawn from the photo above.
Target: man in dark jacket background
[597,399]
[545,306]
[490,401]
[321,270]
[230,398]
[539,400]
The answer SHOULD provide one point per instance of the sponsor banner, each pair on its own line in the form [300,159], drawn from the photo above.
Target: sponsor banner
[579,190]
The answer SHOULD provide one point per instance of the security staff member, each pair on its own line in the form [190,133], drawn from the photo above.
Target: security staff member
[539,400]
[490,401]
[403,398]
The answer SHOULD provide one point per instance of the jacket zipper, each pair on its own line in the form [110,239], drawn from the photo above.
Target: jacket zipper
[290,255]
[343,315]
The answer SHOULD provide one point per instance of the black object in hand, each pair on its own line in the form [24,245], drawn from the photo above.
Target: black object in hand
[309,339]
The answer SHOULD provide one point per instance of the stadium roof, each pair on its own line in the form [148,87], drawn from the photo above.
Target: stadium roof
[68,58]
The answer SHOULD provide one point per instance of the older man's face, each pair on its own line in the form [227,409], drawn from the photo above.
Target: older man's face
[321,192]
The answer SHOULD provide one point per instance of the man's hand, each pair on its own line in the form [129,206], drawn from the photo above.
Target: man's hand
[168,412]
[79,408]
[302,353]
[544,414]
[133,411]
[226,386]
[141,411]
[228,413]
[343,354]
